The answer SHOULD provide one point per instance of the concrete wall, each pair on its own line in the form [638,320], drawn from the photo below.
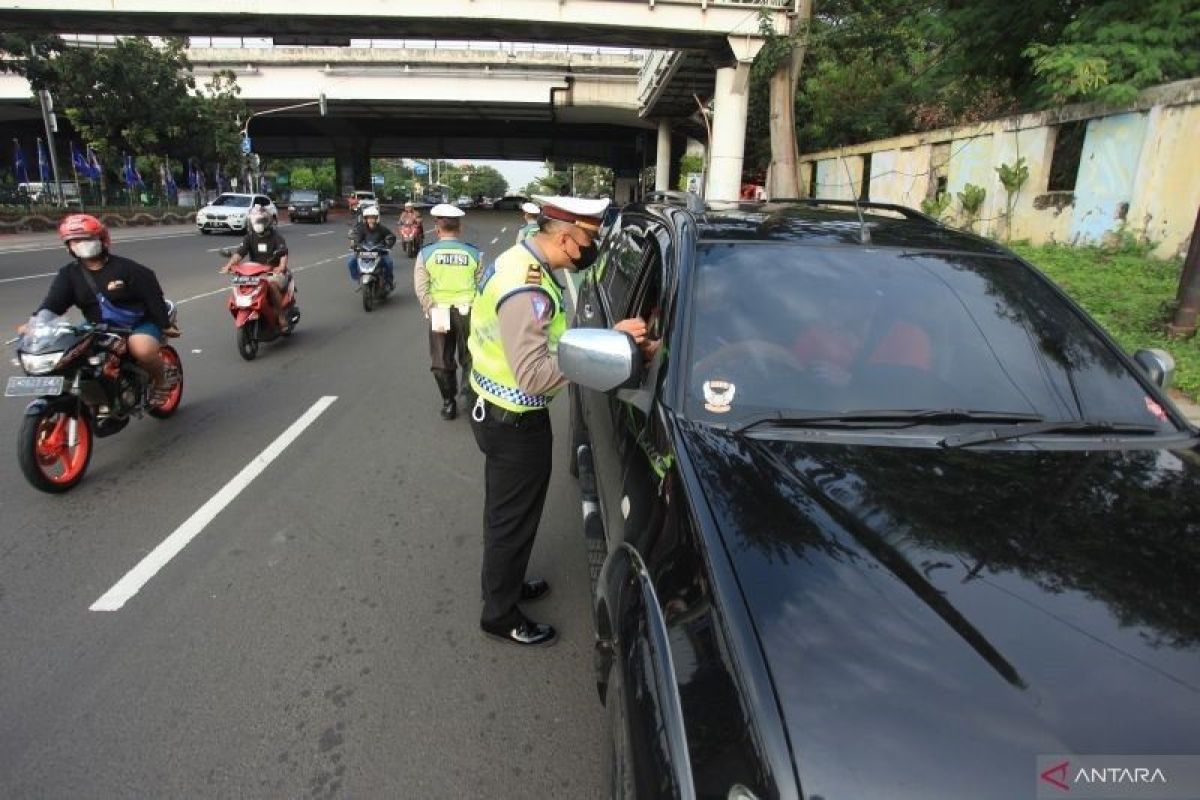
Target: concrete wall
[1139,171]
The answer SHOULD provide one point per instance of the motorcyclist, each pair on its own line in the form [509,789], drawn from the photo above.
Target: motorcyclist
[410,215]
[113,289]
[264,245]
[372,233]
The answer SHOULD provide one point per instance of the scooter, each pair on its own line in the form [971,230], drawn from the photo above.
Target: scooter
[372,281]
[254,315]
[412,237]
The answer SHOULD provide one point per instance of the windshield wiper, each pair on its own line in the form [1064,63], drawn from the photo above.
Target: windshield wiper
[885,418]
[1083,426]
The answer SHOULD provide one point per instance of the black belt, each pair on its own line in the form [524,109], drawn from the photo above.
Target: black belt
[505,416]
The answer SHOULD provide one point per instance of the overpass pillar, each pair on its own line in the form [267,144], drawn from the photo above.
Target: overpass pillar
[352,166]
[730,104]
[662,163]
[625,190]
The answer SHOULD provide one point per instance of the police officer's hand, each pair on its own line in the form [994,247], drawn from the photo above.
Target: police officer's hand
[635,327]
[172,332]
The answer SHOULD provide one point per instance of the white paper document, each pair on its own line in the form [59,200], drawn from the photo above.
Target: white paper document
[439,319]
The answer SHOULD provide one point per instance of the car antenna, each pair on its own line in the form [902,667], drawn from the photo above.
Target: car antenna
[864,233]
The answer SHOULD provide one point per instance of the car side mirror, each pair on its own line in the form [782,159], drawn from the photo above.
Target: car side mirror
[1159,365]
[600,359]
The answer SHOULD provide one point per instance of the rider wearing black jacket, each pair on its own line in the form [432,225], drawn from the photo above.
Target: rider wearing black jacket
[371,233]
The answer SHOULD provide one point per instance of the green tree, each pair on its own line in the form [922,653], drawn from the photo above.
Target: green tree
[1114,48]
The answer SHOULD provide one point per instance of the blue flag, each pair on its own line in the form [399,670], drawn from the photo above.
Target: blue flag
[19,170]
[169,177]
[193,181]
[218,177]
[43,167]
[130,174]
[93,164]
[78,162]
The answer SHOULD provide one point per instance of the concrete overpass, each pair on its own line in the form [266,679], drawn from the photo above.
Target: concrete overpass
[419,104]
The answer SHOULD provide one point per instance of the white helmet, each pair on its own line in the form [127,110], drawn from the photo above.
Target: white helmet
[370,211]
[408,203]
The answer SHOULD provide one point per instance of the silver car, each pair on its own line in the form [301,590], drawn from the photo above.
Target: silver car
[230,210]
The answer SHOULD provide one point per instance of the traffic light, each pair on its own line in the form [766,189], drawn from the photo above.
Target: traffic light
[321,103]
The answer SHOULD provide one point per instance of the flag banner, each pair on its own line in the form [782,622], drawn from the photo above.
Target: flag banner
[94,169]
[43,167]
[20,172]
[79,163]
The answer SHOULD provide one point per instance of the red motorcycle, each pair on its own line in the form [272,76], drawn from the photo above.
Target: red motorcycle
[254,314]
[412,237]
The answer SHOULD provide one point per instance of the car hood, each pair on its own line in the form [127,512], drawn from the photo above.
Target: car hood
[935,619]
[225,210]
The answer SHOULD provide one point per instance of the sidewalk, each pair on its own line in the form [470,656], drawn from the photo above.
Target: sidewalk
[1189,409]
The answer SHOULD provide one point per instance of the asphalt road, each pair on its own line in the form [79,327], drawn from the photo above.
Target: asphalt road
[318,637]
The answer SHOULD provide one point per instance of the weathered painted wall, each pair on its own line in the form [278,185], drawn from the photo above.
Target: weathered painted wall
[1139,171]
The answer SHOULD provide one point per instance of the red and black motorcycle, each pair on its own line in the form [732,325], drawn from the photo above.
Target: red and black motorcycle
[254,314]
[87,386]
[412,238]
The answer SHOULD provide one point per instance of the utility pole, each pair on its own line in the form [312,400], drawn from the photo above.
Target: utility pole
[1187,300]
[51,123]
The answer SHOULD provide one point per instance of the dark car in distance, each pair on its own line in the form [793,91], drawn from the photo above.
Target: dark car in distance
[308,205]
[883,515]
[510,202]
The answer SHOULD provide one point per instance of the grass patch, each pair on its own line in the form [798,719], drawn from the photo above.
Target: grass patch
[1131,294]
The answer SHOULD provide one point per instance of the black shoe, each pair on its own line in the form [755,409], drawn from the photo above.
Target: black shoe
[449,409]
[521,631]
[534,589]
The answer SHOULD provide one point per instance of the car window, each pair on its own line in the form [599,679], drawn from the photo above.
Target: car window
[259,200]
[815,329]
[305,197]
[622,268]
[237,201]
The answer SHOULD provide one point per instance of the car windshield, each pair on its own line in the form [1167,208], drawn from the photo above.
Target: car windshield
[304,197]
[240,201]
[810,330]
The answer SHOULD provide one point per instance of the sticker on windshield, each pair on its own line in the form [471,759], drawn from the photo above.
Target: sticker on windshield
[718,396]
[1155,409]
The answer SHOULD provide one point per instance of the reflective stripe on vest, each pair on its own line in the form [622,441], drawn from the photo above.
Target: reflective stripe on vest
[516,270]
[451,265]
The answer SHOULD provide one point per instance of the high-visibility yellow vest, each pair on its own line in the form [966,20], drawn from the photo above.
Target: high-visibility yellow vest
[452,266]
[516,270]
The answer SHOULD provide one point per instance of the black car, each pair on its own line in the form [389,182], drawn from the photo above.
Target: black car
[307,204]
[511,202]
[884,515]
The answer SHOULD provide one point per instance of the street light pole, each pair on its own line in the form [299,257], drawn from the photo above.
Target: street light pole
[51,123]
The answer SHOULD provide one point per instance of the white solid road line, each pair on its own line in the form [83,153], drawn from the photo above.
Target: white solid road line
[136,578]
[495,240]
[27,277]
[58,245]
[505,228]
[322,233]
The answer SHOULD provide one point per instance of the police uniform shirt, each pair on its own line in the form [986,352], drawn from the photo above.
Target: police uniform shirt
[523,319]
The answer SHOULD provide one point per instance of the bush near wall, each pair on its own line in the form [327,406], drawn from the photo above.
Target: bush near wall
[19,219]
[1128,292]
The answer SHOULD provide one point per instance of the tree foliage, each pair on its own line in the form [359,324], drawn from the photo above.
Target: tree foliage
[879,68]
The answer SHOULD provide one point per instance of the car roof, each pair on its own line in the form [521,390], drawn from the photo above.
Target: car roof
[832,223]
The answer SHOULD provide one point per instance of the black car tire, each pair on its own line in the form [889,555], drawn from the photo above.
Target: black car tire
[616,767]
[205,232]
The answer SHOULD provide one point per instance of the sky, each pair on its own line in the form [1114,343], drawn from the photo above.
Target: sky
[517,173]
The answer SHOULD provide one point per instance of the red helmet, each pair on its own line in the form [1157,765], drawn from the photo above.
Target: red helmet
[83,226]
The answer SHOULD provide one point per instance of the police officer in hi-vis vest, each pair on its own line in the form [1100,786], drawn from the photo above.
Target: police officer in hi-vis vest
[532,212]
[444,278]
[517,320]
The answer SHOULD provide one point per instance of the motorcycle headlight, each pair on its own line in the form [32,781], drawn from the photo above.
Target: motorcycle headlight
[41,363]
[291,208]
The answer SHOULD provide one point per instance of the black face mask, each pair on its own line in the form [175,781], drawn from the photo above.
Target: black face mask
[587,257]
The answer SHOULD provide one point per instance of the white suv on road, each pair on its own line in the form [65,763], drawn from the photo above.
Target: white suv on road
[228,212]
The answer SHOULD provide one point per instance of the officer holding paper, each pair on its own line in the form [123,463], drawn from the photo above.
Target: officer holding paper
[444,278]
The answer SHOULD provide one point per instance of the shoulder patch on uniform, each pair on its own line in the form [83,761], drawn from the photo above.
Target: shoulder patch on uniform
[533,276]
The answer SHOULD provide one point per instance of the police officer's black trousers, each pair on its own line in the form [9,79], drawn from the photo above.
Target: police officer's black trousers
[442,349]
[517,459]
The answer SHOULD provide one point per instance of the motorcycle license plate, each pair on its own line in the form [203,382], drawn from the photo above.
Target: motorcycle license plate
[29,386]
[365,278]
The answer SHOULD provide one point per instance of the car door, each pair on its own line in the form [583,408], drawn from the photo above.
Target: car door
[613,420]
